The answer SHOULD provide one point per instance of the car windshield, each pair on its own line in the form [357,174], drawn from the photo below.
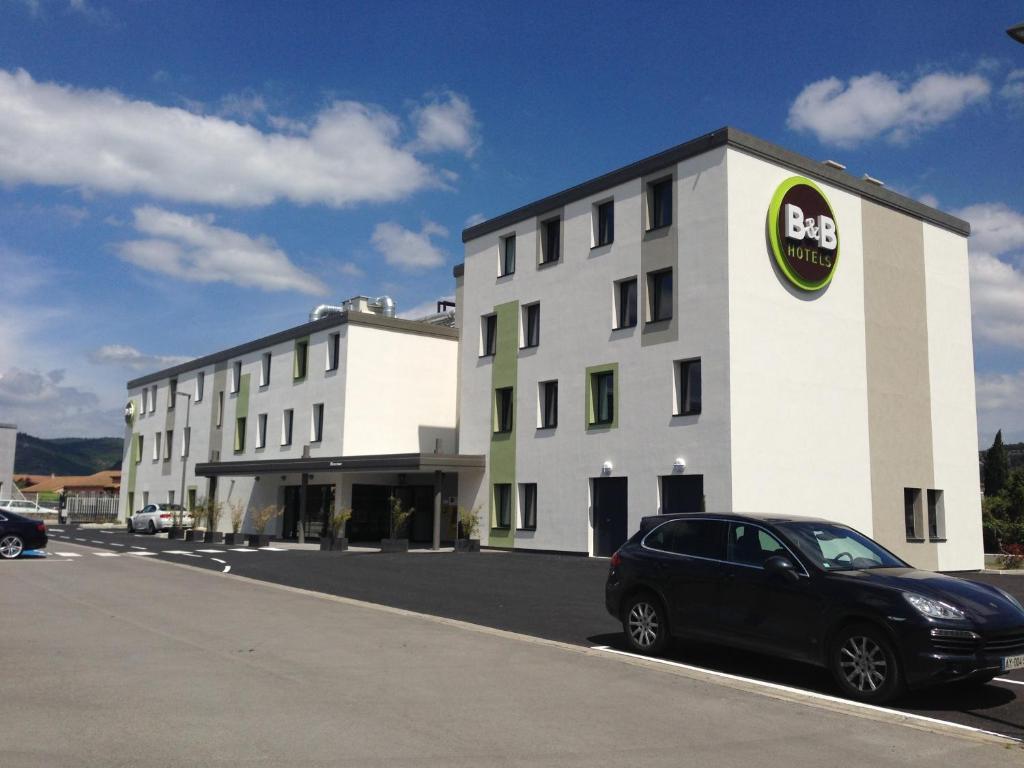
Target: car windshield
[838,548]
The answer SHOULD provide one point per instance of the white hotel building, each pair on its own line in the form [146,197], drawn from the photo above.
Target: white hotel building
[723,326]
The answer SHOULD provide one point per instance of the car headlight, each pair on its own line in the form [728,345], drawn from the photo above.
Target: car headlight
[934,609]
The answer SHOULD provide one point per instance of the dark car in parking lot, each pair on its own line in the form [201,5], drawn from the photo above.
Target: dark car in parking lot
[814,591]
[18,534]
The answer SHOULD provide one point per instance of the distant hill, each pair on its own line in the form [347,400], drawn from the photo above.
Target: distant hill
[66,455]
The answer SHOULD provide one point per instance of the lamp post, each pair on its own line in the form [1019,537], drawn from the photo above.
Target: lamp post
[185,436]
[1017,32]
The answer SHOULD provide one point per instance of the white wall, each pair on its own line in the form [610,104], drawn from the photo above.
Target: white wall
[798,364]
[8,438]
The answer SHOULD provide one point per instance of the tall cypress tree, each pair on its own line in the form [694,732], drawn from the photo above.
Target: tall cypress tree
[997,467]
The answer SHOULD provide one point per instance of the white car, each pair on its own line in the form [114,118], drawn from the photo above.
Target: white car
[20,507]
[158,517]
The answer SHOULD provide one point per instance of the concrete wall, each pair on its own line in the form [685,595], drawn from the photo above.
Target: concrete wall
[8,439]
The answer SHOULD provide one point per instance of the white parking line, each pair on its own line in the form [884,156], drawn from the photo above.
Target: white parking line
[93,541]
[115,544]
[1008,680]
[227,569]
[177,552]
[78,539]
[107,554]
[242,549]
[143,554]
[212,552]
[109,533]
[56,530]
[135,547]
[273,549]
[800,691]
[67,554]
[218,560]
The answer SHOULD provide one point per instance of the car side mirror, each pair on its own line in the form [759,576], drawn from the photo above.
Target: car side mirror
[782,567]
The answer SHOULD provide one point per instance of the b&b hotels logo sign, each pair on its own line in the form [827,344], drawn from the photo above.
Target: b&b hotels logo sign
[803,234]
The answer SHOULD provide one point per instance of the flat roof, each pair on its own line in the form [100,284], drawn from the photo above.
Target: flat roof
[381,462]
[728,137]
[330,321]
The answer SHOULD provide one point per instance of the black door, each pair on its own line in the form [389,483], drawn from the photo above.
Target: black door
[763,610]
[682,493]
[610,514]
[319,503]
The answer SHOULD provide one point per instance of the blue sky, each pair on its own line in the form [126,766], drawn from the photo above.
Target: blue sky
[176,178]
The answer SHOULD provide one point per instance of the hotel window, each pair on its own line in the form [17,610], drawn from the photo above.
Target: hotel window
[687,387]
[170,497]
[265,370]
[548,391]
[488,335]
[625,303]
[152,401]
[261,431]
[186,441]
[317,427]
[659,291]
[333,351]
[604,215]
[172,394]
[301,359]
[503,409]
[236,376]
[200,386]
[602,392]
[502,505]
[531,325]
[659,203]
[528,506]
[156,446]
[508,256]
[240,434]
[145,400]
[551,241]
[287,417]
[168,445]
[220,409]
[936,516]
[138,453]
[912,514]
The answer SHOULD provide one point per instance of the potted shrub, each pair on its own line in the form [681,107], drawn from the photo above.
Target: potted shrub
[469,528]
[213,510]
[398,516]
[334,538]
[260,520]
[237,513]
[177,529]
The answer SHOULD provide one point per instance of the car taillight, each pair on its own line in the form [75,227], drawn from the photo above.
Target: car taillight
[616,560]
[165,517]
[41,527]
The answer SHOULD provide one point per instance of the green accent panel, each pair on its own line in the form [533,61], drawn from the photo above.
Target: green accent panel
[773,234]
[504,369]
[295,359]
[589,415]
[133,459]
[242,403]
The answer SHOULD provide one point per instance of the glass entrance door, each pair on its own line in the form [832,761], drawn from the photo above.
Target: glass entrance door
[319,503]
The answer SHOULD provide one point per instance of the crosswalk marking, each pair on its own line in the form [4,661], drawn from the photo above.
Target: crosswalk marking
[107,554]
[242,549]
[68,554]
[273,549]
[211,551]
[177,552]
[143,554]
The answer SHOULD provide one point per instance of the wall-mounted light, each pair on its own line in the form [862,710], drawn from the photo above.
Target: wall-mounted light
[679,465]
[607,467]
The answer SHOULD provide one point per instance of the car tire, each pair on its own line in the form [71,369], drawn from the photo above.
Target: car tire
[864,664]
[152,528]
[11,546]
[645,625]
[131,528]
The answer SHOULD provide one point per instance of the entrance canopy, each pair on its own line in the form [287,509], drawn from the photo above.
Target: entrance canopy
[382,462]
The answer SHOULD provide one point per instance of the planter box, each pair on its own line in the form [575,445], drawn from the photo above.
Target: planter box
[394,545]
[175,532]
[333,545]
[259,539]
[213,537]
[194,535]
[467,545]
[238,539]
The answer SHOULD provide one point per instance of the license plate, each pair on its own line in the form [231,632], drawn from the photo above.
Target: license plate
[1013,662]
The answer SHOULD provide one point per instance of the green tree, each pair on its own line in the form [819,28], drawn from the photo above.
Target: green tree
[997,467]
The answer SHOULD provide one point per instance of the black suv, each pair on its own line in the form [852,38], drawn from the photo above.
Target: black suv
[814,591]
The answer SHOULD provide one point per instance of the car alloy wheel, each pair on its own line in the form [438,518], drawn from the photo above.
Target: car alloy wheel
[11,547]
[152,528]
[131,528]
[865,665]
[645,626]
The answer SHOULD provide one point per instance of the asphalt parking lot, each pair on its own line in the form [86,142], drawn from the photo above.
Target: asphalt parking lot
[545,596]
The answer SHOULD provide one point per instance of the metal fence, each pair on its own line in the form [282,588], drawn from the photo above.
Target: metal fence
[91,509]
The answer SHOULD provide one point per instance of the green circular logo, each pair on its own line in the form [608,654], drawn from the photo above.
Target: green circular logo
[803,233]
[129,413]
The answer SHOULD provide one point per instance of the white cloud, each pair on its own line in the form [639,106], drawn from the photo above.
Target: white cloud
[475,219]
[41,404]
[995,227]
[101,140]
[192,248]
[446,124]
[130,357]
[426,308]
[247,105]
[351,269]
[1000,396]
[1013,88]
[874,105]
[404,248]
